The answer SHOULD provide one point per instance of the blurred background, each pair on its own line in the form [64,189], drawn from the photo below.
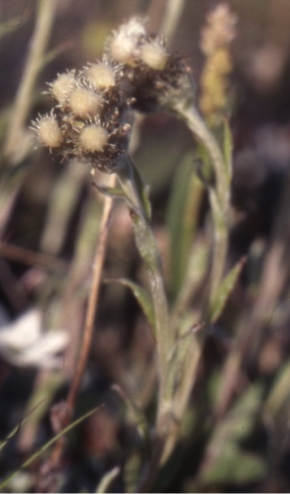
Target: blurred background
[236,432]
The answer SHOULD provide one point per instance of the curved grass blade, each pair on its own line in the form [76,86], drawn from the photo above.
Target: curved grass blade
[108,479]
[46,446]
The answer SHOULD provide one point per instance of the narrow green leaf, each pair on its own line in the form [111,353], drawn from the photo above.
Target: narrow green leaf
[132,470]
[142,191]
[46,446]
[142,296]
[225,290]
[182,218]
[107,480]
[10,436]
[137,415]
[18,426]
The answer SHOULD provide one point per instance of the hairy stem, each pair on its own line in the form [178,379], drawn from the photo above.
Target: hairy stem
[149,252]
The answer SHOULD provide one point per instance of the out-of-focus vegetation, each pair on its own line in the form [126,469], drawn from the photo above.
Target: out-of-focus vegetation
[234,434]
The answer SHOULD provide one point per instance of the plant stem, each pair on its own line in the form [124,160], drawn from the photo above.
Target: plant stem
[149,252]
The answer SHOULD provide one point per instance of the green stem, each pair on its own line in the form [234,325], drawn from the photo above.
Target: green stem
[149,252]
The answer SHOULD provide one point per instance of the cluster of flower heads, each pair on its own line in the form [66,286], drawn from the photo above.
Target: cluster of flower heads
[91,115]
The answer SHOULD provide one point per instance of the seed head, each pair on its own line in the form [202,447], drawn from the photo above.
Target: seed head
[220,29]
[62,86]
[93,138]
[48,131]
[154,55]
[101,76]
[85,103]
[124,45]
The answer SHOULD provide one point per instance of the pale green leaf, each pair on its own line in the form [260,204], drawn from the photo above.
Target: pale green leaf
[182,218]
[136,414]
[225,290]
[107,480]
[132,470]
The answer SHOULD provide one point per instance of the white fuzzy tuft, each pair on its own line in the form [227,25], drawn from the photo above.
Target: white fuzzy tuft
[62,86]
[93,138]
[84,102]
[124,46]
[48,132]
[100,76]
[154,55]
[123,50]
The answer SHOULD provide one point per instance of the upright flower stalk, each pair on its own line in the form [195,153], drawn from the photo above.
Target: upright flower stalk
[150,254]
[91,121]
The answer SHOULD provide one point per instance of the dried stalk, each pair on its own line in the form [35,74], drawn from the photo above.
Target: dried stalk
[90,314]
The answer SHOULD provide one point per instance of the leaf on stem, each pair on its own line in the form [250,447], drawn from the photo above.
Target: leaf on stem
[137,414]
[142,191]
[225,290]
[182,218]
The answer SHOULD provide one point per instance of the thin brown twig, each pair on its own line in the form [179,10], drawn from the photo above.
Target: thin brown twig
[90,315]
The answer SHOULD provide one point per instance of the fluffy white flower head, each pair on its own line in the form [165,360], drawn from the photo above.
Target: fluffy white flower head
[48,131]
[124,46]
[154,55]
[62,86]
[93,138]
[85,102]
[100,76]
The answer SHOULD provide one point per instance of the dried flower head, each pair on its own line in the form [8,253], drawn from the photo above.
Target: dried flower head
[93,138]
[91,119]
[154,55]
[124,44]
[100,75]
[153,75]
[62,86]
[85,102]
[48,131]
